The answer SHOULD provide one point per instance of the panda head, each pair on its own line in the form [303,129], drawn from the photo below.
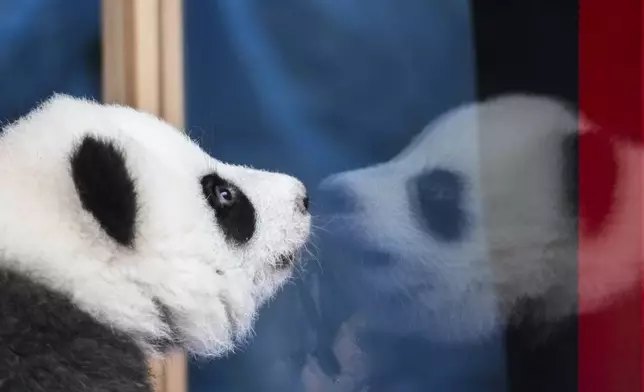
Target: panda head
[142,229]
[480,212]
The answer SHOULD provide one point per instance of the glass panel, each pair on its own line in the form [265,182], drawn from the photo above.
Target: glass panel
[472,224]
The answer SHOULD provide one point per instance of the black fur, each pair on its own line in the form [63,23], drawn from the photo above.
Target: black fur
[438,196]
[237,217]
[173,341]
[48,344]
[105,187]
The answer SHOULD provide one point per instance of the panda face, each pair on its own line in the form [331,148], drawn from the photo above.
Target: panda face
[413,227]
[478,213]
[141,228]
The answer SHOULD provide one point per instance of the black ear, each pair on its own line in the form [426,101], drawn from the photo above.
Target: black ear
[105,187]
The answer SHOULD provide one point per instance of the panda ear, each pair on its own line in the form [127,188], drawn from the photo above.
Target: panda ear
[590,193]
[105,188]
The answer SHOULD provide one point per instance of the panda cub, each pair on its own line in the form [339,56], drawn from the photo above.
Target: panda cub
[120,239]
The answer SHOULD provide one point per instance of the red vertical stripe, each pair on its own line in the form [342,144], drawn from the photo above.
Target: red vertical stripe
[610,93]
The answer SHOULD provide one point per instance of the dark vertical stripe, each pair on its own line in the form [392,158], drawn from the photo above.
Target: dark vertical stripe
[531,46]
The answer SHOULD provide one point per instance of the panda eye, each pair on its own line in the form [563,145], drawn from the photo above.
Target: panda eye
[225,196]
[219,193]
[438,195]
[441,192]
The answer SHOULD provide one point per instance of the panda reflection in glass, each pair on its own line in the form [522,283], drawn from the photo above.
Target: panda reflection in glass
[472,228]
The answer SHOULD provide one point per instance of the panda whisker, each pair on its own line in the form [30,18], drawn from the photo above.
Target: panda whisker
[313,256]
[323,227]
[299,272]
[313,244]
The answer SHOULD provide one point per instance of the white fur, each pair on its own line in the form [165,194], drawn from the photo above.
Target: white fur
[178,249]
[519,242]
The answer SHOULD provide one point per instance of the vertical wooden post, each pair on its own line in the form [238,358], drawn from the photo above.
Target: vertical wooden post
[143,68]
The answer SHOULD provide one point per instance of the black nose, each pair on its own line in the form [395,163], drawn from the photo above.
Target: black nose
[303,203]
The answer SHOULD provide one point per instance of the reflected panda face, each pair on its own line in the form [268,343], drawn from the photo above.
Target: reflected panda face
[141,228]
[411,234]
[478,212]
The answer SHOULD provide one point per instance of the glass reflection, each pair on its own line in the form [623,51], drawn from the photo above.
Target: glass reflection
[470,230]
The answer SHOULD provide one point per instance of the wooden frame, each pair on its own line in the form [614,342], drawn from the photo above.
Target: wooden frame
[143,68]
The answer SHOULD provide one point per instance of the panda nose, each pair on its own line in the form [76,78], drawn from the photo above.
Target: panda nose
[303,203]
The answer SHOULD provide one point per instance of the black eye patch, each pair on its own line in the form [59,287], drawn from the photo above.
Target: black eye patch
[436,198]
[234,212]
